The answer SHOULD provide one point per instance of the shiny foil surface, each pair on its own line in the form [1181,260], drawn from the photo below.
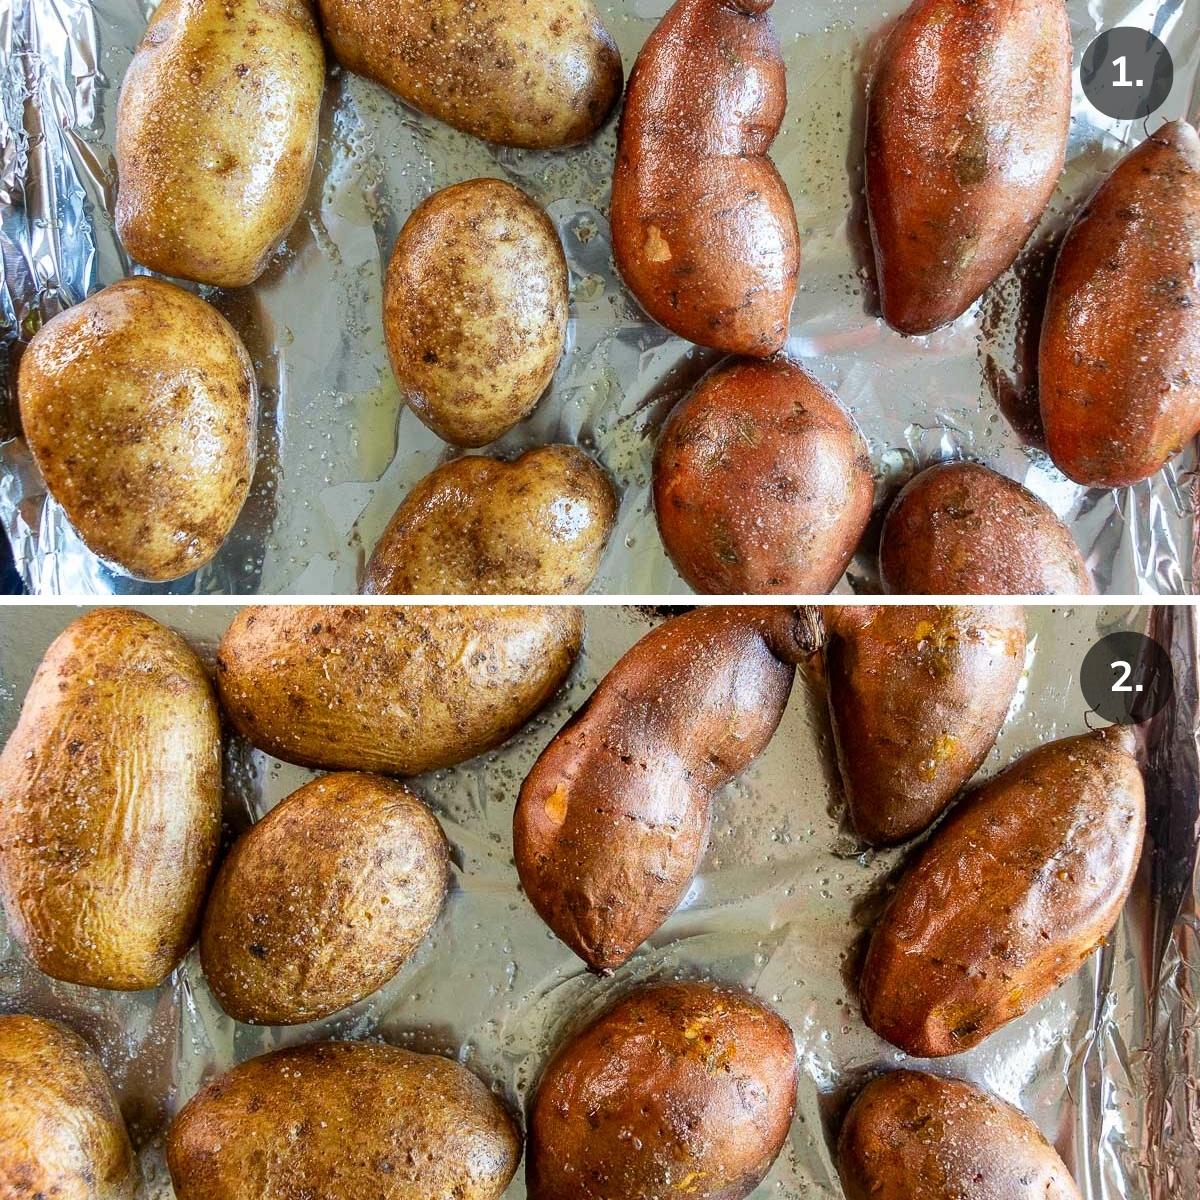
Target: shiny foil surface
[1107,1065]
[338,450]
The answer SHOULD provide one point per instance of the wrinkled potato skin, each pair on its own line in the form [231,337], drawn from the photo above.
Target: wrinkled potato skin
[1120,354]
[703,227]
[535,76]
[217,135]
[967,127]
[917,695]
[482,526]
[61,1132]
[472,369]
[982,1147]
[1024,880]
[612,821]
[377,1122]
[682,1089]
[762,482]
[110,803]
[960,529]
[394,690]
[140,409]
[324,900]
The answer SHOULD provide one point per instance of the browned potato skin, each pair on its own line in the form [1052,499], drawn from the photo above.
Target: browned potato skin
[61,1132]
[703,227]
[140,408]
[396,690]
[967,128]
[324,900]
[536,76]
[682,1089]
[983,1147]
[612,821]
[472,369]
[483,526]
[110,803]
[762,482]
[1120,354]
[917,695]
[376,1121]
[960,529]
[217,135]
[1024,880]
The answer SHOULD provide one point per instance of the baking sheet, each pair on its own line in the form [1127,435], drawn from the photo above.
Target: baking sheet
[338,453]
[1107,1065]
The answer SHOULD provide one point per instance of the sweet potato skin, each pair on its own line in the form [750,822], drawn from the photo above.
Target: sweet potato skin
[917,695]
[703,229]
[1119,374]
[762,482]
[1023,881]
[612,820]
[967,127]
[681,1089]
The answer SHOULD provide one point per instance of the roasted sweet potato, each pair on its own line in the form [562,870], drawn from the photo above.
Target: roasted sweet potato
[917,695]
[762,482]
[613,819]
[1024,880]
[703,228]
[1120,356]
[967,127]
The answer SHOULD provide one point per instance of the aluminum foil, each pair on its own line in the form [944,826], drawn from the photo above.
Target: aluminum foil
[338,450]
[1107,1065]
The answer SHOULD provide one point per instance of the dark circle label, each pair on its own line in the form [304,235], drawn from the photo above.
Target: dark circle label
[1127,678]
[1127,73]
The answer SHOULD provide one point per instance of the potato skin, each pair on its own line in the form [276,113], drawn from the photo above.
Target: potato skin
[396,690]
[612,821]
[917,695]
[703,227]
[110,803]
[324,900]
[140,408]
[1120,353]
[376,1121]
[680,1089]
[1023,881]
[762,482]
[959,528]
[61,1132]
[537,77]
[217,135]
[967,126]
[982,1147]
[473,369]
[483,526]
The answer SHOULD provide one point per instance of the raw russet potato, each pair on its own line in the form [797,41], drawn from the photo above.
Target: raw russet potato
[62,1136]
[703,228]
[343,1121]
[967,127]
[1026,877]
[399,690]
[682,1089]
[762,482]
[110,803]
[475,309]
[537,76]
[1120,355]
[324,900]
[217,135]
[917,695]
[483,526]
[140,408]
